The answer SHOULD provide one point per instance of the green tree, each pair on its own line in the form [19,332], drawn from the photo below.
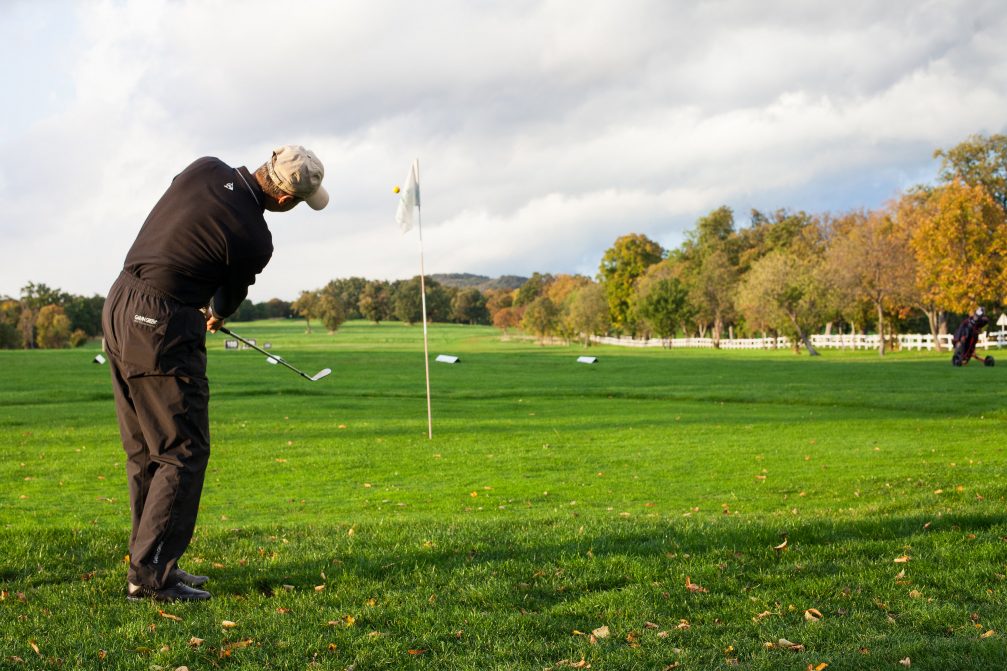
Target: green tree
[533,287]
[621,266]
[85,313]
[784,291]
[663,299]
[348,291]
[375,301]
[407,301]
[978,161]
[586,312]
[52,328]
[469,307]
[37,296]
[541,317]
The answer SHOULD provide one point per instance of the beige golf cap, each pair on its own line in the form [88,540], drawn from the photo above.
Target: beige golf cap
[298,172]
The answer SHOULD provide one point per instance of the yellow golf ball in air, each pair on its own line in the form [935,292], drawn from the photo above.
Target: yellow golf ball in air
[396,189]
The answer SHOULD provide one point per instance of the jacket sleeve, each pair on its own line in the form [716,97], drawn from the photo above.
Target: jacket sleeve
[234,290]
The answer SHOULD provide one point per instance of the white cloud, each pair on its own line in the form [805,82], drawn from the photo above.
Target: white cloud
[545,129]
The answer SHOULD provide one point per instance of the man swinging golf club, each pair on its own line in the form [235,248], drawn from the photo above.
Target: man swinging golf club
[205,239]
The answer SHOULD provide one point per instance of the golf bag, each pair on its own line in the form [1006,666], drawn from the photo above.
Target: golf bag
[966,337]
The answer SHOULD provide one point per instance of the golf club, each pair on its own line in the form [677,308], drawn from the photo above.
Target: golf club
[272,358]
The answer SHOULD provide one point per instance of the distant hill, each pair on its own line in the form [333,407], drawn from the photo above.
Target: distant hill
[480,282]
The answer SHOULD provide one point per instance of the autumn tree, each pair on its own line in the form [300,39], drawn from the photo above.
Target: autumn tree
[869,259]
[960,242]
[621,266]
[331,309]
[52,328]
[306,306]
[10,310]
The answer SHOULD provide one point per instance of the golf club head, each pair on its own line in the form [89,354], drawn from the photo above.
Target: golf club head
[320,374]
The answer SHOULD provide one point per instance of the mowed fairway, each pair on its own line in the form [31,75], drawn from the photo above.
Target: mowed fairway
[555,500]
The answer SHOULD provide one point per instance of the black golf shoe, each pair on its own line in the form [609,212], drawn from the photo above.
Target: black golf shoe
[180,575]
[177,592]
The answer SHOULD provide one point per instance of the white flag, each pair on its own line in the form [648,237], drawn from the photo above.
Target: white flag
[409,199]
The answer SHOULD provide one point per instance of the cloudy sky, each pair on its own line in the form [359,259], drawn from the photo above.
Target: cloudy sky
[545,130]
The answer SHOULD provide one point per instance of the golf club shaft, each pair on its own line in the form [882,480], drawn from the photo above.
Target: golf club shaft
[227,331]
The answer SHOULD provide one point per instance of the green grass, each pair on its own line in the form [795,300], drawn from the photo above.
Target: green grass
[554,499]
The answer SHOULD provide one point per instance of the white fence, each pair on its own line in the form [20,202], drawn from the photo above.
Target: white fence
[906,341]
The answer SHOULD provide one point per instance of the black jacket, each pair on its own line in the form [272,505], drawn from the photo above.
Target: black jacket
[205,238]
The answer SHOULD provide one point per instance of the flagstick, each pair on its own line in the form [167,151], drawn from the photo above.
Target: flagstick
[423,301]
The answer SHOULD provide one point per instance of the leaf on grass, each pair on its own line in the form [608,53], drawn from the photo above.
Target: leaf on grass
[906,662]
[904,559]
[332,647]
[650,625]
[915,594]
[319,588]
[282,611]
[34,646]
[818,667]
[683,624]
[693,587]
[195,642]
[570,664]
[782,546]
[813,615]
[417,651]
[988,634]
[227,624]
[789,645]
[169,616]
[239,644]
[601,632]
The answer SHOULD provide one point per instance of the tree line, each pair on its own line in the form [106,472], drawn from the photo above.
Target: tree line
[44,317]
[933,252]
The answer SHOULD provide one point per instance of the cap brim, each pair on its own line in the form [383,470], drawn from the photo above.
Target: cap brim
[319,199]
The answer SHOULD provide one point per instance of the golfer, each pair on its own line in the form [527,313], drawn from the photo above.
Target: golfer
[190,267]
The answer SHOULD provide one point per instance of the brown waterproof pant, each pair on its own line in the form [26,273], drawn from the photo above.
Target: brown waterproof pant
[156,350]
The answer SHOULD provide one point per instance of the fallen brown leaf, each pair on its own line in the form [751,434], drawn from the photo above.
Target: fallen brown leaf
[693,587]
[195,642]
[789,645]
[813,615]
[34,646]
[227,624]
[169,616]
[782,546]
[601,632]
[417,651]
[904,559]
[906,662]
[989,634]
